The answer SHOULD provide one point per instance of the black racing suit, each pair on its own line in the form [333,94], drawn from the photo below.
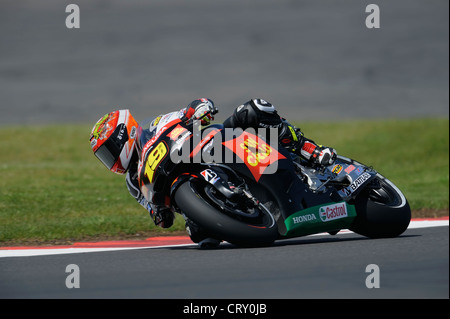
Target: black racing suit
[258,113]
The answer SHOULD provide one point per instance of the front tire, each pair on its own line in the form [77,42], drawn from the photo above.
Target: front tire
[189,199]
[383,212]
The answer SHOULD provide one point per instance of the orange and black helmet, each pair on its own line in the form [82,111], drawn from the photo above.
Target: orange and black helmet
[113,140]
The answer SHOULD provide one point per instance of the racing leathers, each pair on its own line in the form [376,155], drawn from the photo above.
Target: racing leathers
[256,113]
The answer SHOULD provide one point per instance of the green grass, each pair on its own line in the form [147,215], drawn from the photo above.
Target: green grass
[52,188]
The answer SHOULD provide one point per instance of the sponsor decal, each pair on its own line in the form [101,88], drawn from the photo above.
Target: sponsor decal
[205,140]
[346,191]
[156,121]
[332,212]
[355,185]
[304,218]
[254,152]
[359,181]
[176,132]
[320,218]
[349,169]
[337,169]
[209,175]
[183,137]
[133,132]
[122,130]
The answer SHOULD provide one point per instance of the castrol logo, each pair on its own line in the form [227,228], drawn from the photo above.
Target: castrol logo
[332,212]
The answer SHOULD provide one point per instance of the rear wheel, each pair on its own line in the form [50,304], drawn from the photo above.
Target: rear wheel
[234,221]
[381,212]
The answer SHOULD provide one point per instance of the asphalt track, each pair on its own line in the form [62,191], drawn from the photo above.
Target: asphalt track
[414,265]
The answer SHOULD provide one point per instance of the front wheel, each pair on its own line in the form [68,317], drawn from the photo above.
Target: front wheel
[257,229]
[381,212]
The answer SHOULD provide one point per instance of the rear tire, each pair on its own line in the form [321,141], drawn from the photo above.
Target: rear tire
[221,225]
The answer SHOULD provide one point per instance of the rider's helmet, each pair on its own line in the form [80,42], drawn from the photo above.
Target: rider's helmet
[113,140]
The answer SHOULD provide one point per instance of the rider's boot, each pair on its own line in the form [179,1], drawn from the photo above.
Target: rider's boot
[200,237]
[294,141]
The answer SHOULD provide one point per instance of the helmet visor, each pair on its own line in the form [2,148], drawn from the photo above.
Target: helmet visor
[108,153]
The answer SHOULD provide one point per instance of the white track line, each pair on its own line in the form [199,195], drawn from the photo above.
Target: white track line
[55,251]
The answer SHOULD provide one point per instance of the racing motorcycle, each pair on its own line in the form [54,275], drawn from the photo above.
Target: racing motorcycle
[254,193]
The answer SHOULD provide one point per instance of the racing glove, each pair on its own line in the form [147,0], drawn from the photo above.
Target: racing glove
[318,155]
[162,217]
[204,110]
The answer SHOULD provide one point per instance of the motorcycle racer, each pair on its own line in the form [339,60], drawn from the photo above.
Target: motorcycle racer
[113,141]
